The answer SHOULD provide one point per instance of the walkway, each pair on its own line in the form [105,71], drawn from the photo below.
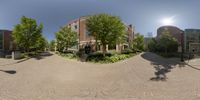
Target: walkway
[143,77]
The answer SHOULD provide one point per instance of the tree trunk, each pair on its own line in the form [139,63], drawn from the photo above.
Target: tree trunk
[104,49]
[96,41]
[96,44]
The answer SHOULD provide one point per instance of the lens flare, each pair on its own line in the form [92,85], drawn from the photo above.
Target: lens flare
[167,21]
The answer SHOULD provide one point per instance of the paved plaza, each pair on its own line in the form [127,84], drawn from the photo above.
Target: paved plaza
[143,77]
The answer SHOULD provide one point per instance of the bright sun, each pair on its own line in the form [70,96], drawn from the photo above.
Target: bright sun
[167,21]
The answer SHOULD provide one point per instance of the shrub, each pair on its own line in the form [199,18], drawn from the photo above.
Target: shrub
[109,58]
[166,43]
[97,56]
[69,55]
[112,59]
[127,51]
[138,43]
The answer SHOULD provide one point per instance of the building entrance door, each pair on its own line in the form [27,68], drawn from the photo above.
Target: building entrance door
[194,47]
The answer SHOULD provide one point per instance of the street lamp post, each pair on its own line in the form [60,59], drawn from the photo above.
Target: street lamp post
[182,46]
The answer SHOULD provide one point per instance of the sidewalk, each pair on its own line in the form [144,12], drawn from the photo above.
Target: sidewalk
[194,63]
[5,61]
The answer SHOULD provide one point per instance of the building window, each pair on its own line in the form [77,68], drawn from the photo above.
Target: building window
[1,40]
[75,26]
[87,33]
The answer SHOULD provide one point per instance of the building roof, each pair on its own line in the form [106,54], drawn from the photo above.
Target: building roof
[192,29]
[4,30]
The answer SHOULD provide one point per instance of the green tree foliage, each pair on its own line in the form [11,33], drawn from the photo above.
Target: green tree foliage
[27,33]
[106,28]
[52,45]
[165,44]
[65,38]
[42,43]
[138,42]
[152,45]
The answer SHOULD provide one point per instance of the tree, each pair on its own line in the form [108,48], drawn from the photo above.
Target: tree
[167,43]
[65,38]
[152,45]
[27,33]
[106,28]
[138,42]
[92,27]
[52,45]
[41,43]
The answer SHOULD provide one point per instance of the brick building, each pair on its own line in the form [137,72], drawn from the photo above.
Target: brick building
[192,40]
[6,44]
[191,37]
[174,31]
[79,26]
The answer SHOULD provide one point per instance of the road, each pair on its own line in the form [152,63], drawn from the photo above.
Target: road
[143,77]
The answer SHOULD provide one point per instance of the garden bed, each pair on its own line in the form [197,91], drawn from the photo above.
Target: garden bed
[97,57]
[108,58]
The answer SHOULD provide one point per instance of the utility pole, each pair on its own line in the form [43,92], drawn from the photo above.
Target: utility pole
[182,46]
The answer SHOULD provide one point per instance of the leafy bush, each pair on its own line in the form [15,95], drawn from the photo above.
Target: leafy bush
[69,55]
[128,51]
[116,58]
[24,55]
[109,58]
[152,45]
[165,45]
[138,43]
[97,56]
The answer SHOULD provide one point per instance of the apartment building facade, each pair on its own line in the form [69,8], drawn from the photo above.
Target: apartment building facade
[79,26]
[192,40]
[172,30]
[190,37]
[6,44]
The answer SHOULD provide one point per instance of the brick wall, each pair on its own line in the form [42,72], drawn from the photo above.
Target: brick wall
[130,32]
[174,31]
[8,44]
[7,40]
[82,27]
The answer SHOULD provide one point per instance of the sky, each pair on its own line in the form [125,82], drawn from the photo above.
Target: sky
[144,15]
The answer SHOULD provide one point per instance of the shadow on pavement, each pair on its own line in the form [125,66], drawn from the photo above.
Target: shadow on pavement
[15,62]
[23,60]
[9,71]
[162,66]
[38,57]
